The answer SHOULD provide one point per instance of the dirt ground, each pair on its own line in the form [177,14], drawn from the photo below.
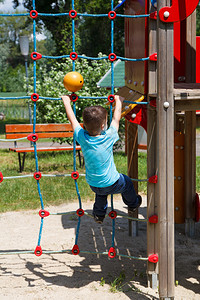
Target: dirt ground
[65,276]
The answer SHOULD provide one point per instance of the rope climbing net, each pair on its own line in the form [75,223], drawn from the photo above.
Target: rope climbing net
[33,137]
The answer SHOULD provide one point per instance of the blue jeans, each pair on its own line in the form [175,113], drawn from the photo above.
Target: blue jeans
[123,186]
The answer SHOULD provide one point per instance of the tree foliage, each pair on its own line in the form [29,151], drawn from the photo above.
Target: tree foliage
[92,34]
[10,30]
[50,84]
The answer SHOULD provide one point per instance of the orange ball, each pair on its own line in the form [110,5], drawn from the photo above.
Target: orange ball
[73,81]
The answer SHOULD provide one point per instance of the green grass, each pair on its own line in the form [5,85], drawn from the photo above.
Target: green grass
[22,194]
[12,94]
[17,102]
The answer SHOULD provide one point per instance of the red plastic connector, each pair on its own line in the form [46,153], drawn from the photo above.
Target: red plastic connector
[153,258]
[75,175]
[197,208]
[73,55]
[112,56]
[36,55]
[1,177]
[80,212]
[34,97]
[43,213]
[111,98]
[112,15]
[153,15]
[112,252]
[113,214]
[37,175]
[153,57]
[75,250]
[33,137]
[72,13]
[33,14]
[38,251]
[73,97]
[153,219]
[153,179]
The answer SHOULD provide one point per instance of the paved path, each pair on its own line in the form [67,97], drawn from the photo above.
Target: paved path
[24,143]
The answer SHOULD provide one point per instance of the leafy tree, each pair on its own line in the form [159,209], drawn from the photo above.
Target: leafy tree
[60,27]
[50,84]
[95,33]
[12,69]
[92,34]
[10,30]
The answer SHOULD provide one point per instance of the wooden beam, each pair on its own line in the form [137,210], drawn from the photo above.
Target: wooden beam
[165,157]
[187,105]
[152,65]
[191,48]
[197,120]
[152,200]
[190,172]
[132,159]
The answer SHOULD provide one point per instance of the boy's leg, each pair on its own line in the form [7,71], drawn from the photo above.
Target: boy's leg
[129,196]
[100,205]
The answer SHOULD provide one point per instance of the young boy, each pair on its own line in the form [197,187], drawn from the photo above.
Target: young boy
[97,146]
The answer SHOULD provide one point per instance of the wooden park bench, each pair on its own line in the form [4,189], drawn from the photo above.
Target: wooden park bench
[15,131]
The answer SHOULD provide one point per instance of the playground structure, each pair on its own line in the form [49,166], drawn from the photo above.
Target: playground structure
[170,81]
[150,73]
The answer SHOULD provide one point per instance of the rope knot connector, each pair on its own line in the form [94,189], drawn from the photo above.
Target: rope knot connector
[112,214]
[38,251]
[33,137]
[112,252]
[75,250]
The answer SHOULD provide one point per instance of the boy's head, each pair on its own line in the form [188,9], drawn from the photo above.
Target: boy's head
[95,119]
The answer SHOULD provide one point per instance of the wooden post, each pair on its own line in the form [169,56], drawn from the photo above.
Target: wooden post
[132,158]
[152,194]
[190,130]
[190,172]
[152,199]
[165,155]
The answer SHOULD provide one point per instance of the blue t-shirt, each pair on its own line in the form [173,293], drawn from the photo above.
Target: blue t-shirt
[98,155]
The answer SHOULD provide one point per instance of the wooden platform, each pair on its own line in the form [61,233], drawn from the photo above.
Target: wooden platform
[186,91]
[187,96]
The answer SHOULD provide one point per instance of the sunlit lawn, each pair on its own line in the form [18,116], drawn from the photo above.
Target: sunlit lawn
[22,193]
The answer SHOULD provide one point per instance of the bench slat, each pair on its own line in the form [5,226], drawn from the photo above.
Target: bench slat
[43,135]
[31,149]
[39,127]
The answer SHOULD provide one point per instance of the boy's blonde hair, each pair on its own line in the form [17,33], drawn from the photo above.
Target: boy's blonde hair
[93,118]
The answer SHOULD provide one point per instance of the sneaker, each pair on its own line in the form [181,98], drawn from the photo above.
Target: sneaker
[131,210]
[98,219]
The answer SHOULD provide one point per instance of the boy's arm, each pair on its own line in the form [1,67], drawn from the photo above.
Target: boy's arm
[70,114]
[117,112]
